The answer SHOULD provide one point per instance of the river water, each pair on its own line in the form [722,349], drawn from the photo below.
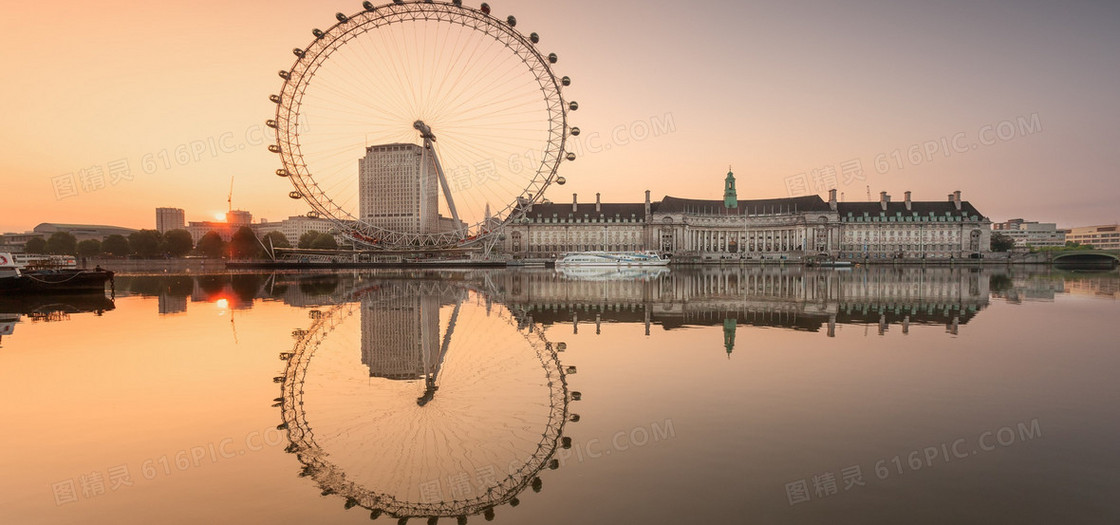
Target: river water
[718,395]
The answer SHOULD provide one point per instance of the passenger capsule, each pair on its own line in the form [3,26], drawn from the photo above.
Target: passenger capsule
[298,52]
[270,123]
[552,58]
[457,2]
[341,17]
[317,32]
[575,132]
[274,148]
[573,105]
[561,180]
[368,6]
[534,38]
[312,215]
[398,1]
[511,20]
[284,75]
[570,156]
[295,195]
[274,98]
[566,81]
[281,172]
[485,8]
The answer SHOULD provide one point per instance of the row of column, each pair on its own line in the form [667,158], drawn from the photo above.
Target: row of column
[766,240]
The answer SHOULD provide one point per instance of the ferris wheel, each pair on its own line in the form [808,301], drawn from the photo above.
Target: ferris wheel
[421,124]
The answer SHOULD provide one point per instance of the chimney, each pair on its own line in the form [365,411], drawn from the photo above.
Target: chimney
[907,200]
[957,199]
[598,205]
[647,205]
[574,202]
[832,199]
[884,199]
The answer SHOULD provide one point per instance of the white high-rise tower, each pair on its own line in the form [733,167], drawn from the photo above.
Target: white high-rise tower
[394,192]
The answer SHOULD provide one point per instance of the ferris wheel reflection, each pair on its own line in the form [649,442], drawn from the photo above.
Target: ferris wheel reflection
[363,417]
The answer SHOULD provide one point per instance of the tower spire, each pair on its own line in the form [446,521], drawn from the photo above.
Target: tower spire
[730,198]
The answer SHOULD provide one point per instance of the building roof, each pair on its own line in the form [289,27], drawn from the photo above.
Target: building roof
[939,208]
[746,207]
[51,227]
[607,209]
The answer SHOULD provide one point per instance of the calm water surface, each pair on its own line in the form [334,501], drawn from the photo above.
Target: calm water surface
[758,395]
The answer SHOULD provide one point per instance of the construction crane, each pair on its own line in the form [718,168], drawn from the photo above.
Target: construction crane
[229,200]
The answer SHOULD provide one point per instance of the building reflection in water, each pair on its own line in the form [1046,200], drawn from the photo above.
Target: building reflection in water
[401,336]
[795,298]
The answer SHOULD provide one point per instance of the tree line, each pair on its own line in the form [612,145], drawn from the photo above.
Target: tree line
[175,243]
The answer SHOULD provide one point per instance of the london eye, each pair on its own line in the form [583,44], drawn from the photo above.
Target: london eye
[471,96]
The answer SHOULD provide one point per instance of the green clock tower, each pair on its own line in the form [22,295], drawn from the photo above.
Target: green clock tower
[730,200]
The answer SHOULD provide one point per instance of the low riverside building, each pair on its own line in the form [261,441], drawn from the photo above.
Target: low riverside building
[759,229]
[1031,233]
[1105,237]
[294,227]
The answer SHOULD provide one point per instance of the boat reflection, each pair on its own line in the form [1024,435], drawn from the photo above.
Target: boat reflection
[48,308]
[423,398]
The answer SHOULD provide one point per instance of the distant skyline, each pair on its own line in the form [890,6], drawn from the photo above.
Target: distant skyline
[168,102]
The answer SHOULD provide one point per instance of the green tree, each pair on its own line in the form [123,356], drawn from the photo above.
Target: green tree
[35,245]
[177,243]
[62,243]
[306,239]
[89,247]
[211,245]
[244,244]
[146,243]
[325,241]
[279,240]
[1001,242]
[116,245]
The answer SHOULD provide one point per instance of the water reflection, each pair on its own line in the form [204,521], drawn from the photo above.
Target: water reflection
[795,298]
[434,402]
[48,308]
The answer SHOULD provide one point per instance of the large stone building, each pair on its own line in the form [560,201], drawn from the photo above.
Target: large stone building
[782,228]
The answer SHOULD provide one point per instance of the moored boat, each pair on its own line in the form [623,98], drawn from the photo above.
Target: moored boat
[63,280]
[597,258]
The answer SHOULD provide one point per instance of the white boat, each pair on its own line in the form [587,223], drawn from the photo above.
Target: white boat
[27,261]
[595,258]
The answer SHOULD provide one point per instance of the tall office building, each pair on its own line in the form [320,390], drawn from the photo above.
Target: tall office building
[168,219]
[395,193]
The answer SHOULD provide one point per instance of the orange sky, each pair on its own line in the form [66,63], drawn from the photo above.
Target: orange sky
[775,90]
